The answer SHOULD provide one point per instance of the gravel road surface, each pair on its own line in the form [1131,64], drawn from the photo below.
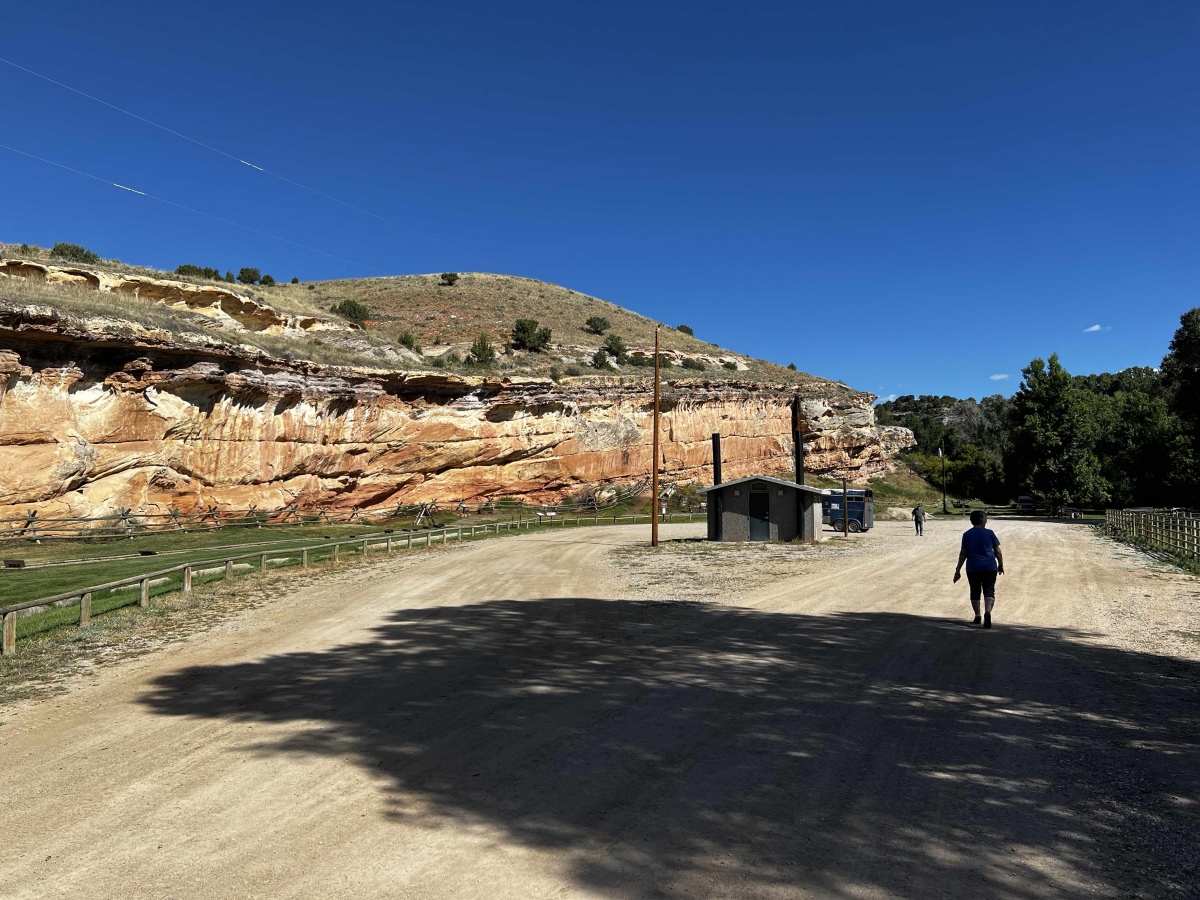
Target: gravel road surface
[570,714]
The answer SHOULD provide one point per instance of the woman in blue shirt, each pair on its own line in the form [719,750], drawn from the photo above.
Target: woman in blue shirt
[981,552]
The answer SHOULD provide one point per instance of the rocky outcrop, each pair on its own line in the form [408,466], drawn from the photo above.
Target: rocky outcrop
[95,415]
[221,305]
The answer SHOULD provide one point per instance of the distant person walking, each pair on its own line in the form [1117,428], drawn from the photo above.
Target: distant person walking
[981,552]
[918,517]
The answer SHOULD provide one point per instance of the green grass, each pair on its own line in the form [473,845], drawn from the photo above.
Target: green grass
[20,585]
[166,541]
[901,487]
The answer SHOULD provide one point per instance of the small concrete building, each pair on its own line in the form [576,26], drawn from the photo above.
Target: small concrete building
[761,508]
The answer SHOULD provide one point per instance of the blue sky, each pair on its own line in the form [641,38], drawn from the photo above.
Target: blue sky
[909,197]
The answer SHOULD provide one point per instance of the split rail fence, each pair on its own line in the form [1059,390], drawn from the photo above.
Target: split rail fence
[182,577]
[1178,535]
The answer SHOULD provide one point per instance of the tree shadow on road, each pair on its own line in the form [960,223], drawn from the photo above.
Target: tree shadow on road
[681,749]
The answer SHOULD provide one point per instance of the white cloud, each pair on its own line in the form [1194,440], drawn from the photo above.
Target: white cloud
[1092,328]
[888,399]
[999,376]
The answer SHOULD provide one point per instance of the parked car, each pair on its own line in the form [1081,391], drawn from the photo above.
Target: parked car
[1025,504]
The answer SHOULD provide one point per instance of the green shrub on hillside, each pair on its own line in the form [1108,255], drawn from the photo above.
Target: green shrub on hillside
[295,280]
[190,271]
[686,329]
[694,364]
[409,340]
[25,250]
[448,278]
[482,352]
[352,311]
[640,362]
[246,275]
[526,335]
[74,253]
[229,277]
[615,345]
[792,366]
[597,324]
[600,361]
[731,366]
[266,281]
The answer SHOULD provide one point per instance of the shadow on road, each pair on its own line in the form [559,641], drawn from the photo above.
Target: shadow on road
[671,749]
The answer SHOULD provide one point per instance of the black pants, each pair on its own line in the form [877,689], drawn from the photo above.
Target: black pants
[920,523]
[982,583]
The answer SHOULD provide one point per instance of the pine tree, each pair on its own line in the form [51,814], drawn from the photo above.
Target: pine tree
[1052,438]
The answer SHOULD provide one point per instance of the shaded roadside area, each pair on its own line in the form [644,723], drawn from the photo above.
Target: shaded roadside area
[680,749]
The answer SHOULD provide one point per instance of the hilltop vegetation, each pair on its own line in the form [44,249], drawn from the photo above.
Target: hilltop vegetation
[449,320]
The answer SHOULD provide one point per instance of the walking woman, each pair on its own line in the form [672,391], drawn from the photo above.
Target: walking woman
[981,552]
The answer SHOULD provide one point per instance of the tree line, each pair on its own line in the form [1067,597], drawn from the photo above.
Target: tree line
[1130,438]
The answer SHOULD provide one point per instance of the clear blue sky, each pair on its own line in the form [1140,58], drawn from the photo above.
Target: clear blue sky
[910,197]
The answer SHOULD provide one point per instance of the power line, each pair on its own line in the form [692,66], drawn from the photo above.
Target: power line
[198,212]
[236,159]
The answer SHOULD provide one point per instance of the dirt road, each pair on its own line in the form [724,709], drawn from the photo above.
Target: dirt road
[508,720]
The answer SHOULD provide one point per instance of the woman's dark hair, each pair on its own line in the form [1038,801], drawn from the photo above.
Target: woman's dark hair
[979,517]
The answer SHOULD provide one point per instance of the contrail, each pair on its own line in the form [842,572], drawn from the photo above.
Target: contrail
[213,149]
[198,212]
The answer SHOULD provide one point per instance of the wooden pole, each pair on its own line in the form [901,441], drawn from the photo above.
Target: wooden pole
[845,510]
[942,454]
[654,469]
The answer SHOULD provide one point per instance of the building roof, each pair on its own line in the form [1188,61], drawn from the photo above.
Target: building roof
[779,481]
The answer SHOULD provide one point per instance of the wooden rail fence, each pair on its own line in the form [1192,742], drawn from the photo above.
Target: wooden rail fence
[1175,534]
[182,577]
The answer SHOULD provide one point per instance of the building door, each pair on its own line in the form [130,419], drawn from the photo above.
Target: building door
[760,519]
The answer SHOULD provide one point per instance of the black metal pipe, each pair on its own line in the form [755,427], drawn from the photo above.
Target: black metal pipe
[797,440]
[716,451]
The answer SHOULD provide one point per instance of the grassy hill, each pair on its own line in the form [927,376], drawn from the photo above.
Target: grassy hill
[437,320]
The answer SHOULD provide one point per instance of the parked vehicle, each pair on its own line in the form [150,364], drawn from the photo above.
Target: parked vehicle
[862,509]
[1025,504]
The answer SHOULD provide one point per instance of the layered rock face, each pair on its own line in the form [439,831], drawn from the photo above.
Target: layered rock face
[92,421]
[223,306]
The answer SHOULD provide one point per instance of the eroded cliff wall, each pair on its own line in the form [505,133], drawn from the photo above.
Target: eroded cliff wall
[94,417]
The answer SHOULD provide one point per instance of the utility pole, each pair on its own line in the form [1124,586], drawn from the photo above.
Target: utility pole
[942,454]
[654,444]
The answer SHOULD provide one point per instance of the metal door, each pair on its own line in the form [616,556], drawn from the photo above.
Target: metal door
[760,517]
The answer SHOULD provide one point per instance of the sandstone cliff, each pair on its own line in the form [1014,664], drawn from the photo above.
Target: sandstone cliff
[97,414]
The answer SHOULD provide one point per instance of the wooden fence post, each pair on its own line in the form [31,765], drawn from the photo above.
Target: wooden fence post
[364,550]
[304,559]
[187,579]
[144,592]
[228,569]
[262,562]
[85,609]
[336,548]
[9,643]
[408,542]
